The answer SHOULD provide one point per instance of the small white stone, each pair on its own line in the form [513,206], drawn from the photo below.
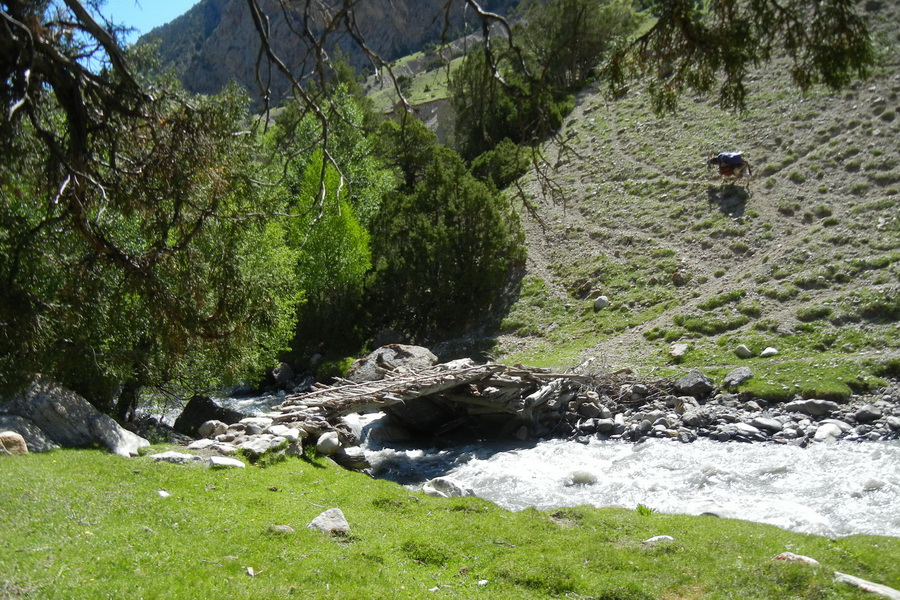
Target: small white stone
[223,462]
[328,443]
[163,494]
[770,351]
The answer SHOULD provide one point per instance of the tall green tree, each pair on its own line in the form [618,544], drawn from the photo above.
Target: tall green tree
[136,248]
[445,248]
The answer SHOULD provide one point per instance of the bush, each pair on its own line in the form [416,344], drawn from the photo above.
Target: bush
[445,250]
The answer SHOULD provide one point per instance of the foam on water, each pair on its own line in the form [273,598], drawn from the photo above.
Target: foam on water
[827,489]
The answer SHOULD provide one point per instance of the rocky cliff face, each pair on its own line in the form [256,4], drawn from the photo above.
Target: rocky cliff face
[216,40]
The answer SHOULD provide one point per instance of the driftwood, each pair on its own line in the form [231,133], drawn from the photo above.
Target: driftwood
[465,394]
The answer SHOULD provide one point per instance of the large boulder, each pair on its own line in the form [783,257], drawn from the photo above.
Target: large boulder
[695,384]
[35,439]
[201,409]
[68,420]
[391,358]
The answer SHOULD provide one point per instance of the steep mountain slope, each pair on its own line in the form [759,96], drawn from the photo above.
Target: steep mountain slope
[805,259]
[216,41]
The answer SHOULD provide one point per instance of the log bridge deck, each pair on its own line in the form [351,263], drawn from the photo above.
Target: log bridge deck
[524,401]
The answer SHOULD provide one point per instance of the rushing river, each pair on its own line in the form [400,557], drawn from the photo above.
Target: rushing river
[830,489]
[826,489]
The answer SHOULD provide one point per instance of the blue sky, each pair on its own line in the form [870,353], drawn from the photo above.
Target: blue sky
[144,15]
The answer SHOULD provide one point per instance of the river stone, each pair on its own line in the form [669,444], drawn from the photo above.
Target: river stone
[893,422]
[260,444]
[283,375]
[743,351]
[812,407]
[212,428]
[843,426]
[868,413]
[331,521]
[223,462]
[589,410]
[178,458]
[328,443]
[738,376]
[827,432]
[606,426]
[444,487]
[746,429]
[697,417]
[695,384]
[767,424]
[201,409]
[289,433]
[261,422]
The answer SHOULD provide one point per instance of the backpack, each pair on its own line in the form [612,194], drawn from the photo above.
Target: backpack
[730,158]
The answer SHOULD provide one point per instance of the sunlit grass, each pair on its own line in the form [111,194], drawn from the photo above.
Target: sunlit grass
[85,524]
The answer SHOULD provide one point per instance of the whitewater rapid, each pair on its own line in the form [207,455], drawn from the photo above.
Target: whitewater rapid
[833,489]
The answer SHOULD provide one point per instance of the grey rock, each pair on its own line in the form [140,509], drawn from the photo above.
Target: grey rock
[767,424]
[444,487]
[812,407]
[35,439]
[391,358]
[353,459]
[332,521]
[328,443]
[746,429]
[743,351]
[261,422]
[868,413]
[678,350]
[178,458]
[283,374]
[291,434]
[211,429]
[738,376]
[589,410]
[697,418]
[201,409]
[601,303]
[605,426]
[67,419]
[842,425]
[826,432]
[695,384]
[224,462]
[893,422]
[770,351]
[260,444]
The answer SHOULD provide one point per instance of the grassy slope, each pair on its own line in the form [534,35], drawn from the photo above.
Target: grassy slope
[85,524]
[807,261]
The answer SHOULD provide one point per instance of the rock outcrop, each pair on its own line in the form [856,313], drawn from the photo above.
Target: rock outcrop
[66,419]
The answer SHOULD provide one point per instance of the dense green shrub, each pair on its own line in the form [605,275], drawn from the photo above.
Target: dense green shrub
[445,249]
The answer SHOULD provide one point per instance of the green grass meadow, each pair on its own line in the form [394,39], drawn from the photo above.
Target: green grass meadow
[86,524]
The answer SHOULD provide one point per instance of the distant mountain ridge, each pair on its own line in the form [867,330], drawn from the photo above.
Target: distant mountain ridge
[216,41]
